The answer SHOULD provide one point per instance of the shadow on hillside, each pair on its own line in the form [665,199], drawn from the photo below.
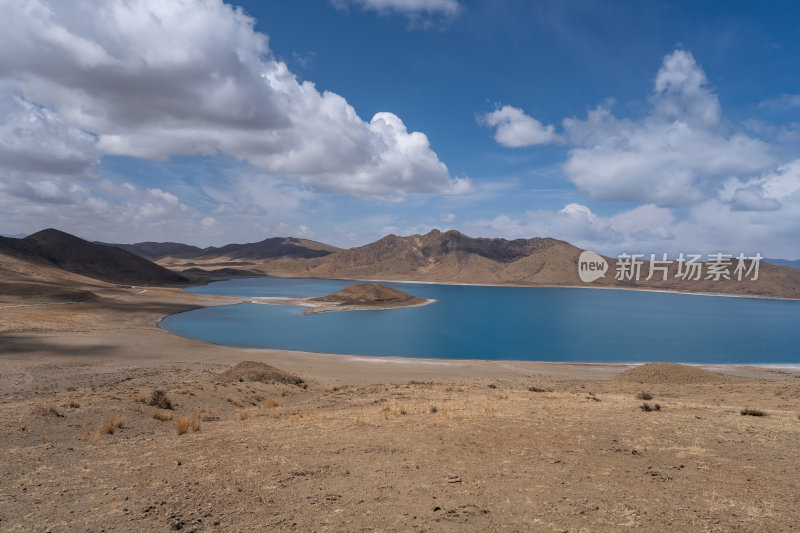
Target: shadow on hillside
[21,345]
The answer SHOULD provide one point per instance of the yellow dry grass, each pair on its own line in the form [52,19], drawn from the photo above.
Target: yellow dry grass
[187,423]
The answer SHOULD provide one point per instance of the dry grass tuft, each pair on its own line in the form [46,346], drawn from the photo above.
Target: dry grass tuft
[244,414]
[158,398]
[490,408]
[187,423]
[162,415]
[140,398]
[73,404]
[235,401]
[750,411]
[644,395]
[46,409]
[798,415]
[45,439]
[270,403]
[334,388]
[111,424]
[433,409]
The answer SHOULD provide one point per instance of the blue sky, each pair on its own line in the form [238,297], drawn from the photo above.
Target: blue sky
[621,126]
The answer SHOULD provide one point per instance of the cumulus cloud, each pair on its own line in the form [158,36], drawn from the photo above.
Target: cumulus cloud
[515,129]
[675,155]
[152,79]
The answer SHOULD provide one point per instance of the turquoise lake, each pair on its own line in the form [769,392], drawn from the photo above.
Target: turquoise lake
[506,323]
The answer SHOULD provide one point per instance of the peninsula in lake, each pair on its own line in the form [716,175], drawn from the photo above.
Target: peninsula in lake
[356,297]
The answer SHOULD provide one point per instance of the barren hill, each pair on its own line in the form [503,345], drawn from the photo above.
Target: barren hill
[156,250]
[272,248]
[61,250]
[370,294]
[452,257]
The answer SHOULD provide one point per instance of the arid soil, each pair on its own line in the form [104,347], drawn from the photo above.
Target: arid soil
[381,444]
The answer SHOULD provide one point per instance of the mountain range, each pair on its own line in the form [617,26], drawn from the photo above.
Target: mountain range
[54,248]
[267,249]
[444,257]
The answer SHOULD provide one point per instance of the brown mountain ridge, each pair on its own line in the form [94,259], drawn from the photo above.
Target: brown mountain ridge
[452,257]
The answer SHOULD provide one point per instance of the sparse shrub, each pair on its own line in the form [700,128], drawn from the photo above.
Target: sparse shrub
[270,403]
[111,424]
[334,388]
[647,407]
[244,414]
[492,386]
[433,409]
[46,409]
[644,395]
[235,401]
[187,423]
[539,389]
[73,404]
[158,398]
[798,415]
[162,415]
[140,398]
[750,411]
[402,410]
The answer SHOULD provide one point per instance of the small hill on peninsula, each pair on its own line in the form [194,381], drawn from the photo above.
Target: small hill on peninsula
[364,294]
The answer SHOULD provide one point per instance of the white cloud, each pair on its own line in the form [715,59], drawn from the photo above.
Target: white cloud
[34,140]
[767,221]
[516,129]
[152,79]
[448,8]
[676,155]
[784,101]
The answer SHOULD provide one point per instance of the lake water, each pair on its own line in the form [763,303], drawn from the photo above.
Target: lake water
[507,323]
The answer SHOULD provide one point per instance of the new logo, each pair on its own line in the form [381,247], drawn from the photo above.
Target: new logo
[591,266]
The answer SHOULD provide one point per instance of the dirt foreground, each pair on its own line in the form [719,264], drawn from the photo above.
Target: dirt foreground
[365,444]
